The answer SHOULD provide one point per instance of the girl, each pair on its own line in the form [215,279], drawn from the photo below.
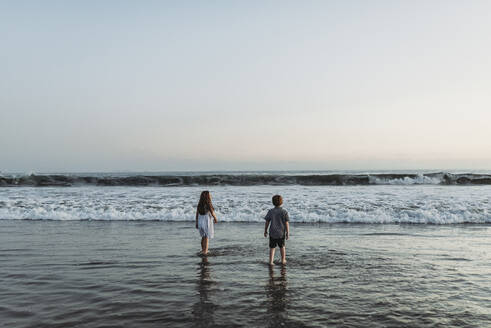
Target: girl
[204,213]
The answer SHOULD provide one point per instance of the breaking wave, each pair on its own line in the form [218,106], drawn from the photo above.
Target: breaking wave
[68,180]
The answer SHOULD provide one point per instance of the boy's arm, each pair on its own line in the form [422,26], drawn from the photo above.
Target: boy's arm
[266,225]
[287,225]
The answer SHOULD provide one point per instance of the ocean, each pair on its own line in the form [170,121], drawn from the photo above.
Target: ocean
[367,249]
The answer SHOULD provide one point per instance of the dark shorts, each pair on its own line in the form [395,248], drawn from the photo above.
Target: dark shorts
[273,242]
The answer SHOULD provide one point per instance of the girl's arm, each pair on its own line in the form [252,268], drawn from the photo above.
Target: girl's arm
[287,229]
[266,225]
[196,218]
[214,216]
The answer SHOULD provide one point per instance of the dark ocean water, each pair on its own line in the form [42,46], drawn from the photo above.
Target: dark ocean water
[148,274]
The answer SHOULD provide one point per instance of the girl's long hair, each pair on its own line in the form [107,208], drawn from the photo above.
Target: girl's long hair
[205,204]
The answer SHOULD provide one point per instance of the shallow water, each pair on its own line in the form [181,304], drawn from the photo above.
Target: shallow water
[148,274]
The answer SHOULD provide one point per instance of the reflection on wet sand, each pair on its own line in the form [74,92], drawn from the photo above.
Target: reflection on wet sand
[203,310]
[277,298]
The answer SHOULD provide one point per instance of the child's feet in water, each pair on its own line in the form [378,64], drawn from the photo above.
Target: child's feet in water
[283,263]
[271,263]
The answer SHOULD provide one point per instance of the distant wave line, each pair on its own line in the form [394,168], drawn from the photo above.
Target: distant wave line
[67,180]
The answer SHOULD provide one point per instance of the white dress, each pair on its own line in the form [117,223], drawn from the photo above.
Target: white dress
[205,225]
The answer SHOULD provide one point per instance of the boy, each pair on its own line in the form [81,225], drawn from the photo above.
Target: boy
[278,218]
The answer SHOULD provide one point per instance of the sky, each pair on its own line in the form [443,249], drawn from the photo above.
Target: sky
[244,85]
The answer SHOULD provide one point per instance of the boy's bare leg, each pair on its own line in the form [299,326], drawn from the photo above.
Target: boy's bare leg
[283,254]
[271,255]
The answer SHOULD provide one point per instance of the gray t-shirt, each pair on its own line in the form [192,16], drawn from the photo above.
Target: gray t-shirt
[277,217]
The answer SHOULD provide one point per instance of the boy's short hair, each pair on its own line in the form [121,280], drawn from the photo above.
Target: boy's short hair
[277,200]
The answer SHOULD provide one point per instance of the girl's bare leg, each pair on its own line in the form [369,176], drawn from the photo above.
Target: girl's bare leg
[271,255]
[283,254]
[205,245]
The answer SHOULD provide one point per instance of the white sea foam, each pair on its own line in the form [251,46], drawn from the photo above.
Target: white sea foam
[330,204]
[420,179]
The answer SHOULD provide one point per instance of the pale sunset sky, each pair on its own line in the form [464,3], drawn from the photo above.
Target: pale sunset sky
[244,85]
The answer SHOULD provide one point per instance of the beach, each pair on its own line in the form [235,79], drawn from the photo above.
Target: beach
[127,125]
[149,274]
